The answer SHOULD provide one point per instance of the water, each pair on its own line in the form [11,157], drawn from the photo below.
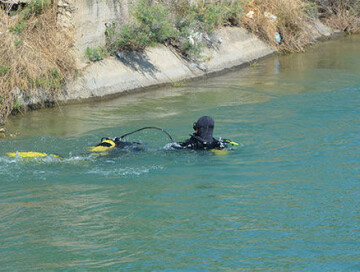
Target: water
[287,199]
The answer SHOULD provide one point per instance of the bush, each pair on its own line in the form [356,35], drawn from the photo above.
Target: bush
[152,24]
[130,38]
[156,20]
[173,23]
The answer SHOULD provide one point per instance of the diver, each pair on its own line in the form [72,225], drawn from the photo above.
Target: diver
[203,138]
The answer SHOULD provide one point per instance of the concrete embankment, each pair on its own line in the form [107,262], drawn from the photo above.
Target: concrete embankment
[157,65]
[161,65]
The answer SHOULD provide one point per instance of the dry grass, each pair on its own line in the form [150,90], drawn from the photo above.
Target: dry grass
[344,22]
[35,54]
[291,22]
[343,15]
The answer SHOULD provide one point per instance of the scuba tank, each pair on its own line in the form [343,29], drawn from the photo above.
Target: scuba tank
[108,144]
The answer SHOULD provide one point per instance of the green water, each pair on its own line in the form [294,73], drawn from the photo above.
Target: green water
[287,199]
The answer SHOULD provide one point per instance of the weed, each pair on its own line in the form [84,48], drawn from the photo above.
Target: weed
[18,42]
[35,7]
[3,70]
[311,9]
[179,84]
[15,12]
[26,96]
[54,79]
[18,27]
[95,54]
[17,105]
[50,80]
[215,14]
[254,64]
[192,50]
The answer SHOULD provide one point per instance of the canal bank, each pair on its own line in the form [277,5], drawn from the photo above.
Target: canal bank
[132,72]
[161,65]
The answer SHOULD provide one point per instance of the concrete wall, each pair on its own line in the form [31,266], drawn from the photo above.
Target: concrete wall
[88,18]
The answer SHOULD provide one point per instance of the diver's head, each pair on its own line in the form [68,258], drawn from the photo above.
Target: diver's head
[204,128]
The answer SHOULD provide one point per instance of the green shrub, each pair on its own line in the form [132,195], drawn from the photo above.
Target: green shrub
[152,24]
[95,54]
[186,24]
[131,38]
[210,14]
[156,20]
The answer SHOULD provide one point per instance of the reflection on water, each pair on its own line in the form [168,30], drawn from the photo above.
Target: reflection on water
[285,200]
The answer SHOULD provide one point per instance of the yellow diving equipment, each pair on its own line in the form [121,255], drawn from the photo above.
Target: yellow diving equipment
[224,151]
[220,152]
[31,155]
[231,142]
[105,145]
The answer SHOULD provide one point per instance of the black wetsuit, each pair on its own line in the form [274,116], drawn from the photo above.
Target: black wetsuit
[203,138]
[197,143]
